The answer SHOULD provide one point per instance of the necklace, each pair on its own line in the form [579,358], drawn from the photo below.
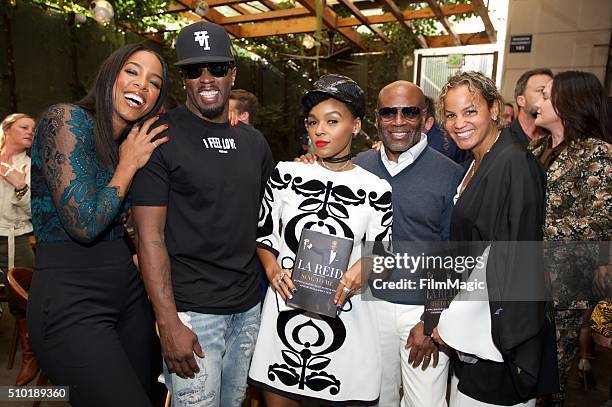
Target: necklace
[475,166]
[343,166]
[335,160]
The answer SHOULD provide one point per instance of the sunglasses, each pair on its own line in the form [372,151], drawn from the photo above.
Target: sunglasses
[216,69]
[408,112]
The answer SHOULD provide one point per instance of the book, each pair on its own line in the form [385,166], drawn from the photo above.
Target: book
[320,263]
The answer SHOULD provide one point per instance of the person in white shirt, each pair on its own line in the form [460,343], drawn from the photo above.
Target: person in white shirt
[16,134]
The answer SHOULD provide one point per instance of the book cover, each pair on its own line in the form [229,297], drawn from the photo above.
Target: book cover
[320,262]
[439,295]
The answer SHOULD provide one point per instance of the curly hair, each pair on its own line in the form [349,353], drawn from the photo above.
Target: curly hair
[476,82]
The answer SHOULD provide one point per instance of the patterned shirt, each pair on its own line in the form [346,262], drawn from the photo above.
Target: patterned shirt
[71,199]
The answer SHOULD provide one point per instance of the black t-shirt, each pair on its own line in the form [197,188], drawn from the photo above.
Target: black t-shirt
[518,133]
[211,178]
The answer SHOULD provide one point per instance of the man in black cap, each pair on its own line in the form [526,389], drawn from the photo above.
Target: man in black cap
[196,206]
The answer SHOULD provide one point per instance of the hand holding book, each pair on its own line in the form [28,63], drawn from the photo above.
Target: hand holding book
[350,283]
[280,279]
[282,284]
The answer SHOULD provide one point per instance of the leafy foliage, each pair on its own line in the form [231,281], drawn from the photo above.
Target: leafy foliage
[282,55]
[134,15]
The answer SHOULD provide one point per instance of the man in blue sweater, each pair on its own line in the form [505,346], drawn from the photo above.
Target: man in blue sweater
[424,182]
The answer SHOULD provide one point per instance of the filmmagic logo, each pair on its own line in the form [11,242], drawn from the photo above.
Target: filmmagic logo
[430,284]
[201,37]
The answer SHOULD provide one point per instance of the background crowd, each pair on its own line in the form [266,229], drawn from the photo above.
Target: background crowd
[217,225]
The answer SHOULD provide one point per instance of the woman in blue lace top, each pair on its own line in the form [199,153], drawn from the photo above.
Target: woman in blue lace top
[90,322]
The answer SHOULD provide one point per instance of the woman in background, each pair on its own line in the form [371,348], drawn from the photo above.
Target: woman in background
[577,155]
[16,134]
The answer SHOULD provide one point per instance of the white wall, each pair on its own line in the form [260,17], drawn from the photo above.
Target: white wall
[565,35]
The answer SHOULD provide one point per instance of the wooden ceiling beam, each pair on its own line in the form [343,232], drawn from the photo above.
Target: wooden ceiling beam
[438,41]
[340,22]
[435,7]
[481,10]
[364,20]
[362,5]
[408,15]
[397,13]
[270,15]
[270,4]
[330,19]
[212,15]
[265,29]
[369,5]
[309,24]
[217,3]
[240,9]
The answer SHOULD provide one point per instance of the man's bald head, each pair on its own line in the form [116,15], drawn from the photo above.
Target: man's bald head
[404,90]
[400,115]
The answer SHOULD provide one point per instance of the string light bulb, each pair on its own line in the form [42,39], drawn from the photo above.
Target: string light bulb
[308,42]
[201,8]
[102,11]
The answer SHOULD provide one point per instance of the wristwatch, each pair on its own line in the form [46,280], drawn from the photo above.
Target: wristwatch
[21,191]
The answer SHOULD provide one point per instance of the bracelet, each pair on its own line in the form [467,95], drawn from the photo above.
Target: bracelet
[22,191]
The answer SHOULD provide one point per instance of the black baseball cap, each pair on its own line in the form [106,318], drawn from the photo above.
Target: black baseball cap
[339,87]
[203,42]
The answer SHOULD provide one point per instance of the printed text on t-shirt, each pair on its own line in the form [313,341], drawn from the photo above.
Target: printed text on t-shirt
[221,144]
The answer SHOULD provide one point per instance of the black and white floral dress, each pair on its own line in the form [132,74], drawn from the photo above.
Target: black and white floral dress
[304,355]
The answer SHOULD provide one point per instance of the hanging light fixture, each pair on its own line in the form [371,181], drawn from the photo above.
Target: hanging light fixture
[308,42]
[102,11]
[80,18]
[201,8]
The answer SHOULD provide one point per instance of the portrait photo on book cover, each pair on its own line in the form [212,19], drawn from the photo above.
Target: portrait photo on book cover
[320,263]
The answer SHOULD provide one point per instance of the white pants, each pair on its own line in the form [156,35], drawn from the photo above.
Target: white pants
[458,399]
[421,388]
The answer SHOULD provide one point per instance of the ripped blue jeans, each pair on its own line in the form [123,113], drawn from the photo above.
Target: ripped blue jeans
[228,342]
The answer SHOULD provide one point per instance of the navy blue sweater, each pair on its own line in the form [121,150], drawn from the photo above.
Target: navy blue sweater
[422,204]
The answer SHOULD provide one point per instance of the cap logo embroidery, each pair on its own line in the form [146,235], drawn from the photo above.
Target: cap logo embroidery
[202,37]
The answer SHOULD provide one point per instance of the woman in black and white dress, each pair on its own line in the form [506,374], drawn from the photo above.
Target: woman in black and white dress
[302,356]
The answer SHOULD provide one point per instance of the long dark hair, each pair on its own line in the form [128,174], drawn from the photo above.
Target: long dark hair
[99,101]
[582,105]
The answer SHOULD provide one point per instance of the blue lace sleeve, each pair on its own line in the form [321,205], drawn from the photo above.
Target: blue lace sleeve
[84,202]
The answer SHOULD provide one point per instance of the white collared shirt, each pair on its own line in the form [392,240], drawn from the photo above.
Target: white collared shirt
[406,158]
